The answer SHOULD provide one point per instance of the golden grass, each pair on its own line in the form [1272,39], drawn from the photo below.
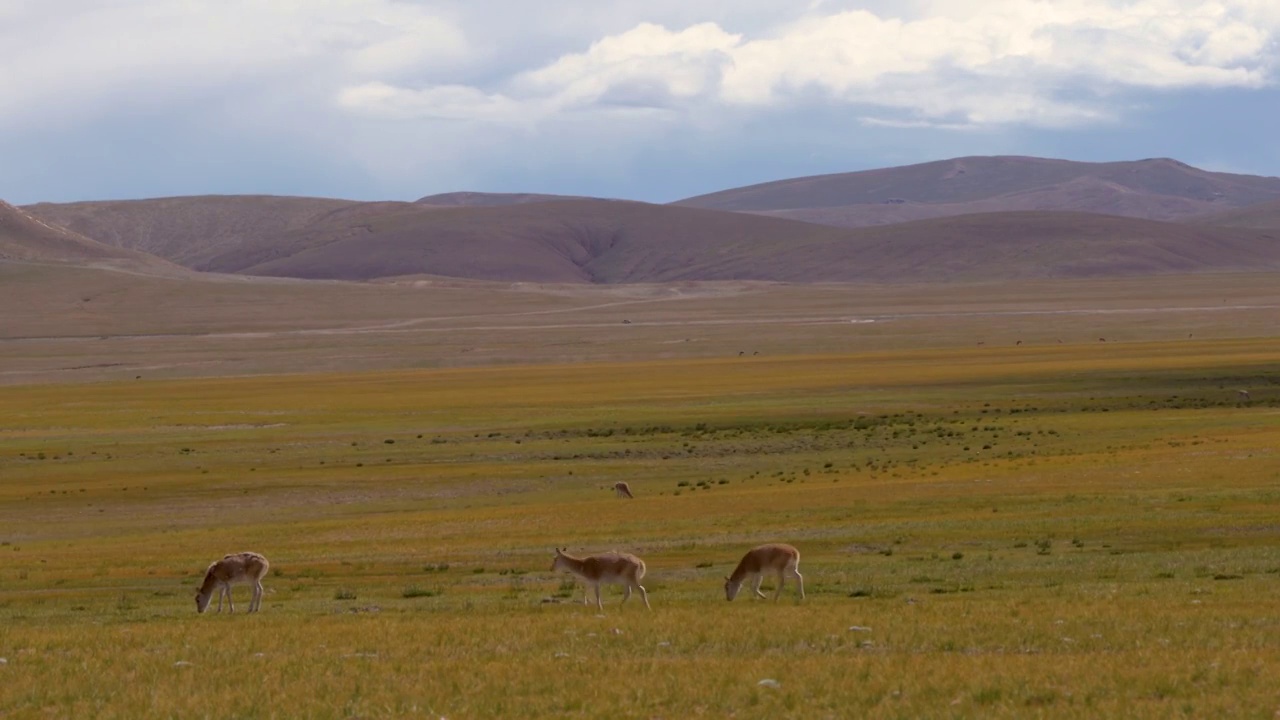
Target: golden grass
[1069,531]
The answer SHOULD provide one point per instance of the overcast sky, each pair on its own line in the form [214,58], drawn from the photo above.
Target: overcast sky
[646,99]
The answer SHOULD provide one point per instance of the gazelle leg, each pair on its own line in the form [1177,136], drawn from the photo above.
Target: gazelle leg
[221,589]
[599,602]
[756,587]
[230,600]
[256,601]
[644,595]
[626,593]
[799,581]
[782,579]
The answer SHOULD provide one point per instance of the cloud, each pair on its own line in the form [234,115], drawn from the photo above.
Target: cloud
[645,68]
[935,62]
[440,102]
[77,59]
[670,66]
[401,97]
[1010,62]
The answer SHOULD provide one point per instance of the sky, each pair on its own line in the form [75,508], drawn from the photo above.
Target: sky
[651,100]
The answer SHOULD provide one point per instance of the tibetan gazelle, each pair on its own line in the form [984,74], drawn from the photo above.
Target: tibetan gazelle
[776,558]
[240,568]
[607,568]
[623,490]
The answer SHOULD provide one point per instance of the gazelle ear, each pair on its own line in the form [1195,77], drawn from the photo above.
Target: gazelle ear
[727,578]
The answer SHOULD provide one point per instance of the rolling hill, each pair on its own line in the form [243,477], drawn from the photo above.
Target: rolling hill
[608,242]
[1158,189]
[483,199]
[26,238]
[555,239]
[601,241]
[190,230]
[1263,216]
[620,242]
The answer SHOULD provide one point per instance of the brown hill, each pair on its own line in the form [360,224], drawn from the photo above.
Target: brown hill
[1263,216]
[536,239]
[191,230]
[1028,245]
[1159,189]
[481,199]
[623,242]
[601,241]
[26,238]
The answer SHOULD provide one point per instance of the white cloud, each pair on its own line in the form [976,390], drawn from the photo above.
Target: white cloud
[955,63]
[443,102]
[418,93]
[647,68]
[74,58]
[940,62]
[675,65]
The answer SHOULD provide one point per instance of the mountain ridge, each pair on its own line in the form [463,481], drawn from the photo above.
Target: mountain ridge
[1153,189]
[956,224]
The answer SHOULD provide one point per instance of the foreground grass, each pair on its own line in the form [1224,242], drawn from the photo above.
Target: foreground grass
[1067,532]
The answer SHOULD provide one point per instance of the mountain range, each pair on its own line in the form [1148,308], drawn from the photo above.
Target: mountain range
[970,219]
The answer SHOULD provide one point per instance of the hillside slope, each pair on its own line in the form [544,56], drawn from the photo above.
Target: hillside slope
[1158,189]
[531,238]
[599,241]
[484,199]
[1263,216]
[190,230]
[614,242]
[26,238]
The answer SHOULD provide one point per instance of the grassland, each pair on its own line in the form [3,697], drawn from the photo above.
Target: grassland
[1065,530]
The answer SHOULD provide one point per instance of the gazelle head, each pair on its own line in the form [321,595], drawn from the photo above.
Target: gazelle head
[731,588]
[558,561]
[202,601]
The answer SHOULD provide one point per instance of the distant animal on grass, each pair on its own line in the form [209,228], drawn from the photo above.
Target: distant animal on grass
[612,568]
[774,558]
[246,568]
[1243,395]
[622,490]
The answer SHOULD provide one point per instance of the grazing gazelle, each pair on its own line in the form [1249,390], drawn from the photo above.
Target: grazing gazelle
[623,490]
[240,568]
[773,558]
[607,568]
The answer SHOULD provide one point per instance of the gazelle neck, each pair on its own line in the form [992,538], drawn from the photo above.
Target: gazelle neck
[740,572]
[569,562]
